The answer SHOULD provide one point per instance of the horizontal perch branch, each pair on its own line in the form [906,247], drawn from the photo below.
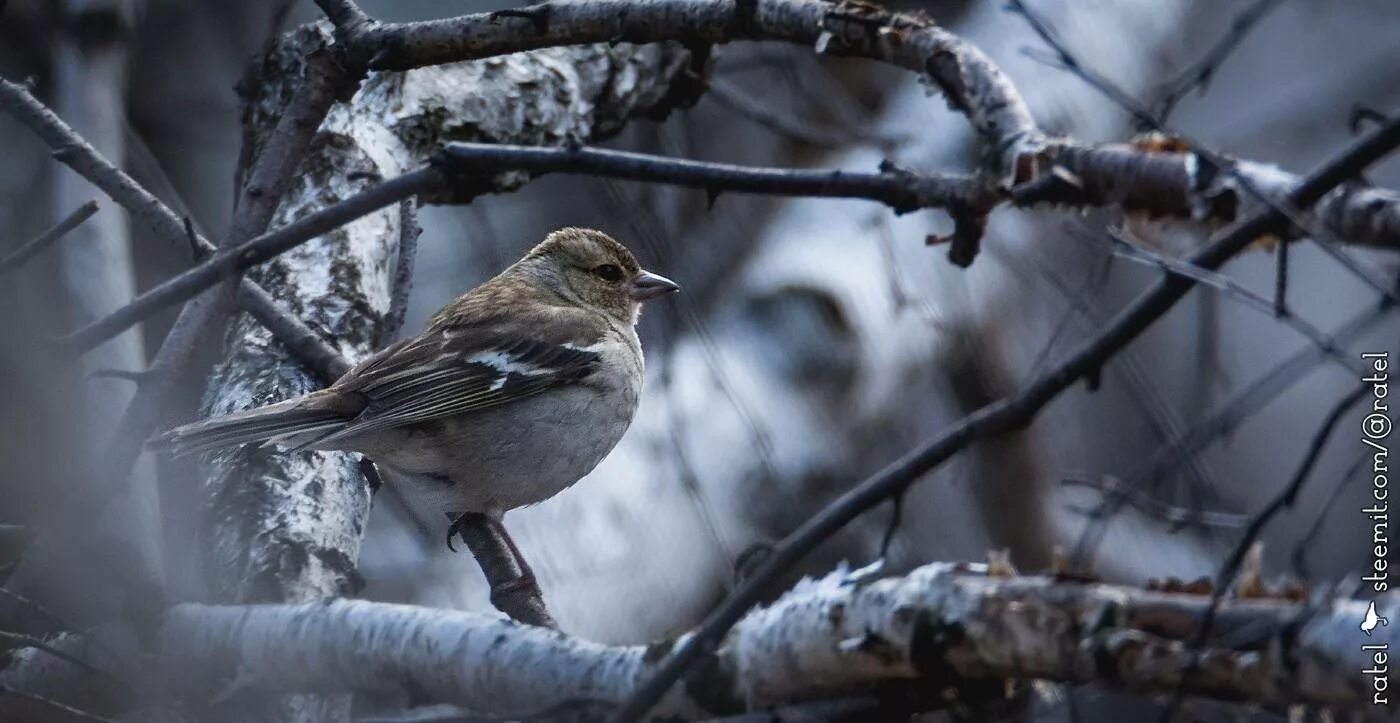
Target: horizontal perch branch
[938,631]
[900,190]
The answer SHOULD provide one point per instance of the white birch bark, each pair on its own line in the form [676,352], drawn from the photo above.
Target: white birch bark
[939,627]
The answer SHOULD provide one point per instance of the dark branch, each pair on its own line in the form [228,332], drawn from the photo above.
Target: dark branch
[1283,500]
[67,710]
[45,239]
[513,592]
[1263,390]
[1199,74]
[1113,487]
[228,262]
[1005,415]
[403,272]
[21,640]
[900,190]
[300,340]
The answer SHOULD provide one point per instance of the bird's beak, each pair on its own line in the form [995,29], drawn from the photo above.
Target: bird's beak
[647,285]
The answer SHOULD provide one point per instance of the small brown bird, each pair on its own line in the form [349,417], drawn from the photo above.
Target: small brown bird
[514,391]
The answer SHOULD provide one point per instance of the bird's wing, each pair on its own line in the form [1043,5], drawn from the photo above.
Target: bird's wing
[461,370]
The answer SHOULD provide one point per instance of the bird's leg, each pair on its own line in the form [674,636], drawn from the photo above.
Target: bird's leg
[513,587]
[527,575]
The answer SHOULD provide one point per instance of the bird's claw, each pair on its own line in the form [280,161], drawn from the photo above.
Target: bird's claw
[455,528]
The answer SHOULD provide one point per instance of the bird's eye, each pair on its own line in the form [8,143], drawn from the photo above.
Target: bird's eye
[608,272]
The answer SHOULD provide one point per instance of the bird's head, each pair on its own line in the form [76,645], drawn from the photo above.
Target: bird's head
[591,268]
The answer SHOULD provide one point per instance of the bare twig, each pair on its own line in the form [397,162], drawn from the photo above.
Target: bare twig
[300,340]
[19,256]
[142,414]
[1230,569]
[1300,549]
[53,617]
[33,642]
[1227,416]
[514,591]
[1232,289]
[67,710]
[900,190]
[403,272]
[1112,486]
[250,253]
[1257,394]
[1005,415]
[1199,74]
[1165,422]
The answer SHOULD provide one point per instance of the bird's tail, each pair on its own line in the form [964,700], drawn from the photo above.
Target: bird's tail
[271,423]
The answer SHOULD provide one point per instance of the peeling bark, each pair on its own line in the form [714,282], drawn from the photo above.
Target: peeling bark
[942,632]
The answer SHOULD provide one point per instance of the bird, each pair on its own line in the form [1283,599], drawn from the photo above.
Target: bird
[513,392]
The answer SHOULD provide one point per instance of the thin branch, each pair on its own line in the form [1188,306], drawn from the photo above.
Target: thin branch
[141,417]
[53,617]
[1234,290]
[73,220]
[1112,486]
[67,710]
[1000,417]
[1164,420]
[409,231]
[1228,571]
[900,190]
[32,642]
[300,340]
[1299,555]
[1185,446]
[1198,75]
[231,261]
[1266,388]
[514,591]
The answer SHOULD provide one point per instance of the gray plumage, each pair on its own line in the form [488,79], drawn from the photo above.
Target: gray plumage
[514,391]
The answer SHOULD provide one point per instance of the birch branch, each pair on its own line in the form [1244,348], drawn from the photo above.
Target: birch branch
[943,631]
[1142,177]
[20,256]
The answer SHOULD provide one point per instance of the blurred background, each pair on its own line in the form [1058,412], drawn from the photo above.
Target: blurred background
[816,340]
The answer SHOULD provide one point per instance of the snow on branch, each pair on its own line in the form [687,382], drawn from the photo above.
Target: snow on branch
[946,631]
